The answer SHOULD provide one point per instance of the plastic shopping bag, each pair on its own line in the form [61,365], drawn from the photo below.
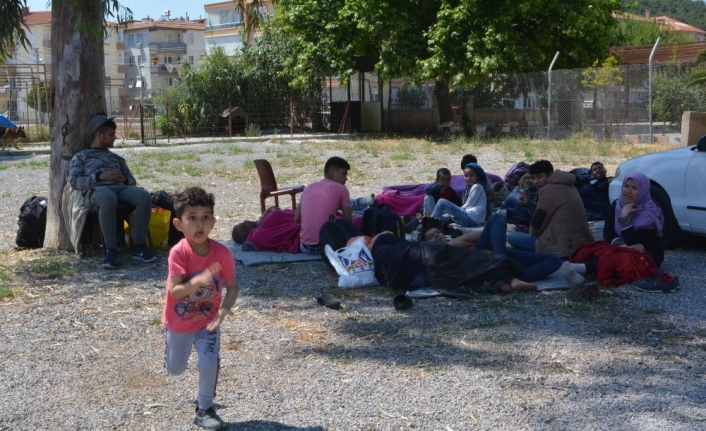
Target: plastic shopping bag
[354,265]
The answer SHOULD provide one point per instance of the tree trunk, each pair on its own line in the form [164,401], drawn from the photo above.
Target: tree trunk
[444,100]
[78,73]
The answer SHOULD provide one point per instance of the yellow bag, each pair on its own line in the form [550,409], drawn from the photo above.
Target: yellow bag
[158,229]
[159,226]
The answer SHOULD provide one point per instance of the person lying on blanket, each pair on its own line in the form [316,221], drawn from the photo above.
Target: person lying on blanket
[493,238]
[453,271]
[275,231]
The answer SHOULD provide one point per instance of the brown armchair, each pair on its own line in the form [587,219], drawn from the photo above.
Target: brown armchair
[268,185]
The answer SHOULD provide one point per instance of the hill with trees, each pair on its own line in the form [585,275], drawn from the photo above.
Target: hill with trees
[692,12]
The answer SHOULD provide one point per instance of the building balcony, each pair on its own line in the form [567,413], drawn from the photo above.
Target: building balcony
[165,69]
[172,47]
[224,26]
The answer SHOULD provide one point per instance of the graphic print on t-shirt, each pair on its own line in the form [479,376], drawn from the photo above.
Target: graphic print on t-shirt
[199,305]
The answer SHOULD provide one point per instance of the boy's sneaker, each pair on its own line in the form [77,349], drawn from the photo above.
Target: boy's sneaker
[141,252]
[208,419]
[660,283]
[110,260]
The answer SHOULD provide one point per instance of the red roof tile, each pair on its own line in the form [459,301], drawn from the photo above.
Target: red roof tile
[38,18]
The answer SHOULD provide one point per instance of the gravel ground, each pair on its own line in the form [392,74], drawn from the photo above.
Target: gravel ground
[84,351]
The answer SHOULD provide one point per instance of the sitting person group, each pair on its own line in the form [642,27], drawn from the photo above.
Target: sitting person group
[546,201]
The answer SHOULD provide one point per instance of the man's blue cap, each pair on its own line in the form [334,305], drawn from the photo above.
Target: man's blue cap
[97,121]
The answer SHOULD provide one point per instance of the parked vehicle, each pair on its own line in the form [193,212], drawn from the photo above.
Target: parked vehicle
[677,186]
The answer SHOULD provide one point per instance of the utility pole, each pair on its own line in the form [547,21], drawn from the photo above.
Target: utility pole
[36,91]
[142,82]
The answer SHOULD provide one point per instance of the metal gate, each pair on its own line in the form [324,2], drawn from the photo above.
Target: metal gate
[149,124]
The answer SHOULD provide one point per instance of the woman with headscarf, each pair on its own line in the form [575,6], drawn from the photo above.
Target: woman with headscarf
[635,222]
[473,211]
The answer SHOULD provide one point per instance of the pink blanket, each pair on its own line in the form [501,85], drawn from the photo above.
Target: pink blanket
[406,200]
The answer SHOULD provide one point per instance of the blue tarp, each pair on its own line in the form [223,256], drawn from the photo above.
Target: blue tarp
[5,122]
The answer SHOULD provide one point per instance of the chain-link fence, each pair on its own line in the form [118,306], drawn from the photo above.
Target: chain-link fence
[605,102]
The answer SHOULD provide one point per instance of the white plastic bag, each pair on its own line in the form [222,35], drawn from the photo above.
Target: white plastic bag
[354,265]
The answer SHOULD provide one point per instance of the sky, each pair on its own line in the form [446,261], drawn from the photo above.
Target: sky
[153,8]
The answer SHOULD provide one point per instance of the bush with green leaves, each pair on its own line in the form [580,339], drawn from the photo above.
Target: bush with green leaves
[253,80]
[675,91]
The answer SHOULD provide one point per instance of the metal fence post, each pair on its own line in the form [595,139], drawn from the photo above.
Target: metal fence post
[652,54]
[549,98]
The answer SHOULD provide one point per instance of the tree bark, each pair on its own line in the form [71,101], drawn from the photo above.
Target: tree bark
[78,93]
[443,98]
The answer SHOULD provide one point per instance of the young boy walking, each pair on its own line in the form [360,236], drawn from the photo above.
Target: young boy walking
[199,268]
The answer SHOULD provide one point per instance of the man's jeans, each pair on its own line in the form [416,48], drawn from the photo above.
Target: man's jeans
[445,210]
[106,197]
[522,241]
[537,265]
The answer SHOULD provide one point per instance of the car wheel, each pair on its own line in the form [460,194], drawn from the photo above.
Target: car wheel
[661,198]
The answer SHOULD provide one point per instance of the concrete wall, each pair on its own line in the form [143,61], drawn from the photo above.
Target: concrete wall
[414,120]
[693,126]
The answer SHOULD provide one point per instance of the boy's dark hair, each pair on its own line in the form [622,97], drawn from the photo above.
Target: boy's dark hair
[335,162]
[193,197]
[468,158]
[442,171]
[541,167]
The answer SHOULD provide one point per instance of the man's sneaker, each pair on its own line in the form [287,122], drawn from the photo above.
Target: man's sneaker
[141,252]
[661,283]
[111,259]
[208,419]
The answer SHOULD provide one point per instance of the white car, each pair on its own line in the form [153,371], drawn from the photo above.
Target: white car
[678,186]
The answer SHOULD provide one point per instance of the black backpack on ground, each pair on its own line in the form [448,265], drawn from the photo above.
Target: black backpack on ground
[336,233]
[378,219]
[32,223]
[163,200]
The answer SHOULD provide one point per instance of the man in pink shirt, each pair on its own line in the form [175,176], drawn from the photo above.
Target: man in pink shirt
[320,201]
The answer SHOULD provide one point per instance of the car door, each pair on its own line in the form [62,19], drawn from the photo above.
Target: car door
[695,192]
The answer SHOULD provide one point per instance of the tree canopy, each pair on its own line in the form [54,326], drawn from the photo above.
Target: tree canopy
[462,41]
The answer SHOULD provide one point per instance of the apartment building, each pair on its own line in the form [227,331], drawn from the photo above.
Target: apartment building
[225,24]
[31,67]
[154,51]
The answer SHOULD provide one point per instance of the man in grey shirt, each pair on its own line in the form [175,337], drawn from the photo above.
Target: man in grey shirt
[105,180]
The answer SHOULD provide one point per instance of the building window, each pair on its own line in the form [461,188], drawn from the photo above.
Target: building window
[190,38]
[191,60]
[134,38]
[107,60]
[121,58]
[121,35]
[262,11]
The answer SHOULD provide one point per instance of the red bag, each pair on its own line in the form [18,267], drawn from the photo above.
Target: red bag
[616,265]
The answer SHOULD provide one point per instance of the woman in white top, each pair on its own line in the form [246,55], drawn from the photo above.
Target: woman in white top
[474,209]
